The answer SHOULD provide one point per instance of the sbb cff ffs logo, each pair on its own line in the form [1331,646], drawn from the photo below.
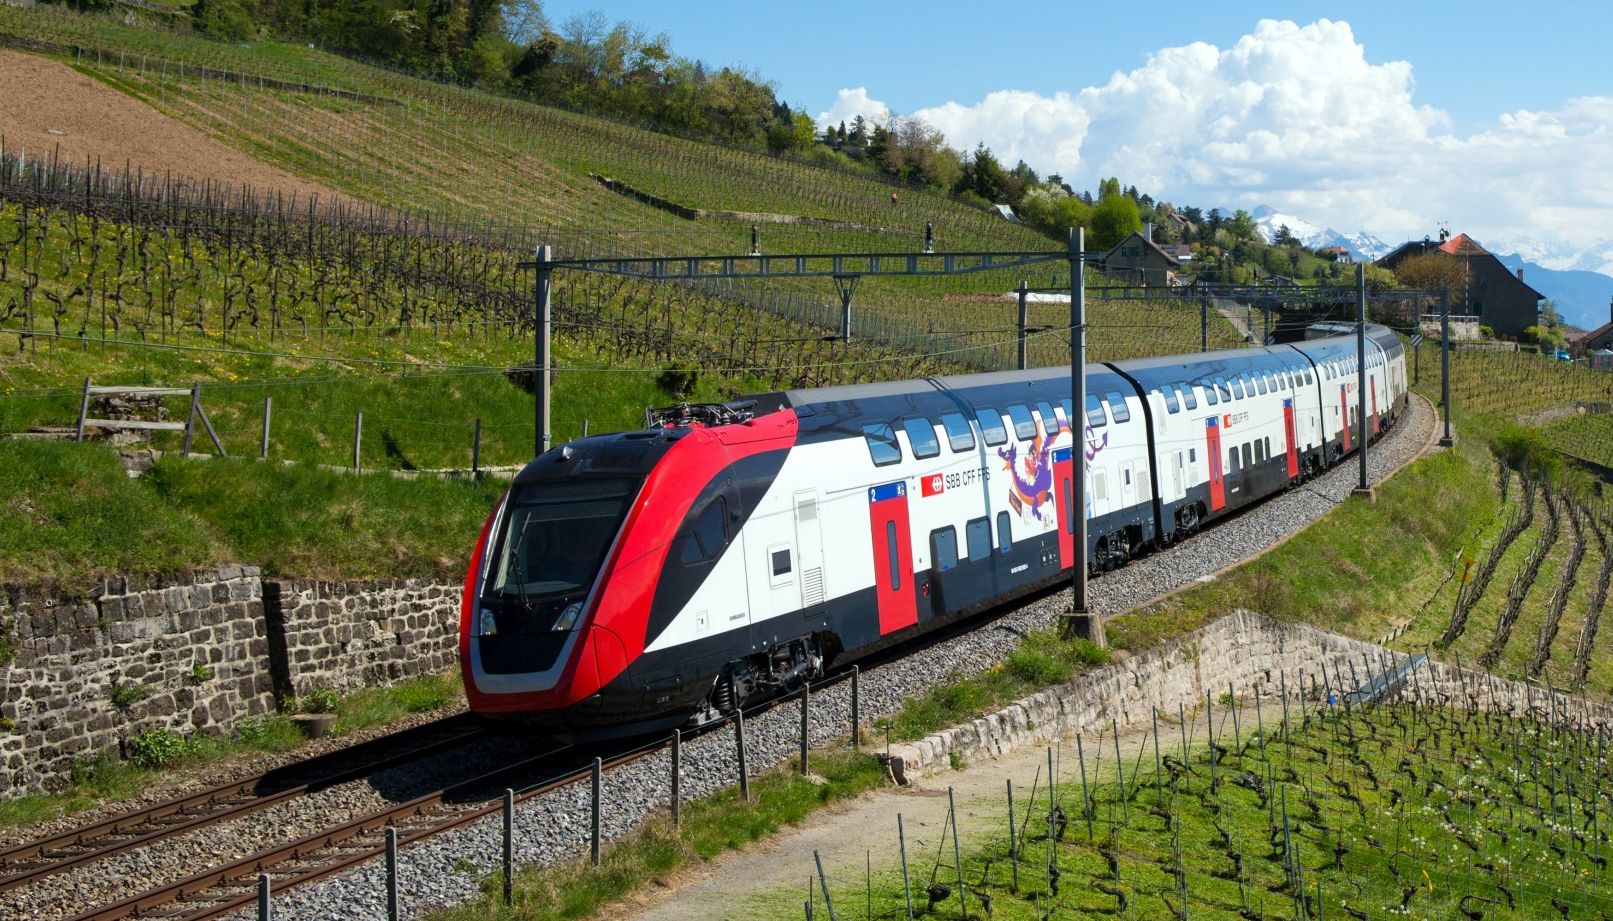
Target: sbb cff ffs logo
[934,484]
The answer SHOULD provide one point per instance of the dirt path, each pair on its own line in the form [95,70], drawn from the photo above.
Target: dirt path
[48,108]
[745,884]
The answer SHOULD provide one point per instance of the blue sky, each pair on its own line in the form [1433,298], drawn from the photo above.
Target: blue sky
[1390,117]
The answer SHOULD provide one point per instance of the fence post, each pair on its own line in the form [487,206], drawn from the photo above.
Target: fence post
[392,873]
[1013,839]
[83,410]
[263,445]
[856,707]
[739,742]
[265,913]
[806,694]
[1024,296]
[823,881]
[509,846]
[907,885]
[957,856]
[1204,322]
[593,838]
[190,420]
[543,308]
[476,449]
[677,780]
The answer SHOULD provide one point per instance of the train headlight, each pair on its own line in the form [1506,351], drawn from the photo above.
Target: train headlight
[486,623]
[568,617]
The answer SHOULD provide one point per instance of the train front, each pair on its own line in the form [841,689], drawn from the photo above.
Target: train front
[531,644]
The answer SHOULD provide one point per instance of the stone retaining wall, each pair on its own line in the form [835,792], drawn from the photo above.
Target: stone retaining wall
[1244,651]
[200,653]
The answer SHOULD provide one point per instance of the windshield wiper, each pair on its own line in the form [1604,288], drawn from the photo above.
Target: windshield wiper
[520,563]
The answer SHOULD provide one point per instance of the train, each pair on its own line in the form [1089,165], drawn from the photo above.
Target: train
[641,580]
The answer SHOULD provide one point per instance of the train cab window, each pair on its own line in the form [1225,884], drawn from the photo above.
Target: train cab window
[1210,396]
[1117,406]
[1050,420]
[991,426]
[977,534]
[959,435]
[706,539]
[882,444]
[921,435]
[1170,399]
[1005,533]
[1248,456]
[1095,414]
[1024,425]
[944,548]
[1188,399]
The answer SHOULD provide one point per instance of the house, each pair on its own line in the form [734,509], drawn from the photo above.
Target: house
[1181,252]
[1139,260]
[1595,340]
[1493,295]
[1336,254]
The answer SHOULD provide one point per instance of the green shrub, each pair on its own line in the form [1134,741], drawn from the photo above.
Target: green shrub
[159,747]
[1090,654]
[1036,667]
[418,697]
[320,700]
[124,696]
[679,379]
[269,733]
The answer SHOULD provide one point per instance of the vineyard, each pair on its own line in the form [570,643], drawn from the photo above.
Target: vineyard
[1586,437]
[1287,807]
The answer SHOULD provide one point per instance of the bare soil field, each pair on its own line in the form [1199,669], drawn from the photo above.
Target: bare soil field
[48,108]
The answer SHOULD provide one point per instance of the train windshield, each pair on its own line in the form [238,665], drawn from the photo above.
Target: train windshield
[555,537]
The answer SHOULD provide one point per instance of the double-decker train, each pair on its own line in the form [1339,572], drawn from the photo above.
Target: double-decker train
[644,579]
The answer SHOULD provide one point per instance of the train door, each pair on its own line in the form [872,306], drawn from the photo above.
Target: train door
[1374,395]
[809,547]
[1212,450]
[1064,487]
[1290,438]
[893,557]
[1344,403]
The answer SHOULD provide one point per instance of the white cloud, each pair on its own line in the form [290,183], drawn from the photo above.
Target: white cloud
[849,104]
[1298,117]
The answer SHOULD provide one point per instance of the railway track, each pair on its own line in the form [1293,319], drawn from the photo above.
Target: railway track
[32,861]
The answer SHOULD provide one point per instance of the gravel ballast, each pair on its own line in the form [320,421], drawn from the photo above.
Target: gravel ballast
[446,869]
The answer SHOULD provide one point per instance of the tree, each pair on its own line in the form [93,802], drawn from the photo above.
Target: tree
[1435,271]
[983,175]
[1113,218]
[1108,188]
[1284,237]
[1242,226]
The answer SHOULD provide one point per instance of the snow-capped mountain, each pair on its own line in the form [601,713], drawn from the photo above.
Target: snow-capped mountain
[1595,256]
[1362,245]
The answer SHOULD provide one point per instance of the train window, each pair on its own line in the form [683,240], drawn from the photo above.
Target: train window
[1237,386]
[706,538]
[959,435]
[1268,447]
[1024,426]
[944,548]
[1188,399]
[1232,460]
[1248,456]
[781,562]
[1308,380]
[1005,533]
[892,556]
[882,444]
[977,534]
[1225,388]
[1260,382]
[1050,420]
[1210,396]
[1095,415]
[1170,399]
[1260,451]
[1117,406]
[921,435]
[1192,455]
[991,426]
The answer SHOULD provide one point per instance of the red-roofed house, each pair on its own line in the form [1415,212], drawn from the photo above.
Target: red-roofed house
[1494,295]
